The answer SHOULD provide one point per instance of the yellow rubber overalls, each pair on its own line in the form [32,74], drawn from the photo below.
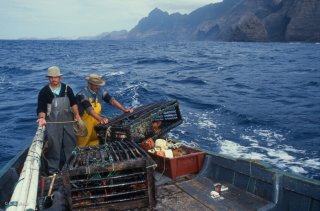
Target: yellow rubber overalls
[91,139]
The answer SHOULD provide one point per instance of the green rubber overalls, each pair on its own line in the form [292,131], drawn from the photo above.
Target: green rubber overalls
[59,133]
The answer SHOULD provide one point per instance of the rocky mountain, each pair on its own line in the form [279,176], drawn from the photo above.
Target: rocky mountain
[235,20]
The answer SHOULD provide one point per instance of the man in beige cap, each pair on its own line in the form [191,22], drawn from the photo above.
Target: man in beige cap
[89,102]
[54,102]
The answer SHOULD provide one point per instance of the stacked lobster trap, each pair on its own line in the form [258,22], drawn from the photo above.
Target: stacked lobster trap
[148,121]
[117,175]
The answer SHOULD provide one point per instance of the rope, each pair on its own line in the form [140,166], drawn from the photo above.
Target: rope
[164,168]
[112,173]
[176,145]
[87,170]
[61,122]
[76,150]
[154,166]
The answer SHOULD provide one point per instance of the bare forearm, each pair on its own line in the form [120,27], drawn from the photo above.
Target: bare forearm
[75,111]
[42,119]
[120,107]
[98,117]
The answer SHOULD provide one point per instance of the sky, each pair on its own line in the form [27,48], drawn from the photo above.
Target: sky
[75,18]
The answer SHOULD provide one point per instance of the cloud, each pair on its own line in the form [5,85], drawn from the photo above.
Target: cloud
[74,18]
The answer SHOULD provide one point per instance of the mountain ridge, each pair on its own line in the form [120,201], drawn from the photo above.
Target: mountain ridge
[232,20]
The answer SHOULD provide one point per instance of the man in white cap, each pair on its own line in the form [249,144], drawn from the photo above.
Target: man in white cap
[54,102]
[89,101]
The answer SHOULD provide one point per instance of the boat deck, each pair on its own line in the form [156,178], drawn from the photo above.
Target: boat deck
[194,194]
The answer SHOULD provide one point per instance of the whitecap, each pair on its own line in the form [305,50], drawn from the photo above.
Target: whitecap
[232,149]
[314,163]
[249,138]
[280,154]
[116,73]
[255,156]
[291,149]
[206,123]
[298,169]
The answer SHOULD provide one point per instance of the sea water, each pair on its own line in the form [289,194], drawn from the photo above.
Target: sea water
[250,100]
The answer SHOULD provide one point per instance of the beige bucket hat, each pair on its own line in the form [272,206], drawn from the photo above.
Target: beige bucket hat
[95,80]
[54,71]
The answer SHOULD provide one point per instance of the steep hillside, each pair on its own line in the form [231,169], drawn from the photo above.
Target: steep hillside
[235,20]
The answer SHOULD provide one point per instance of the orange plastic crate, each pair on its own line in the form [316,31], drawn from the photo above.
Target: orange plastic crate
[191,163]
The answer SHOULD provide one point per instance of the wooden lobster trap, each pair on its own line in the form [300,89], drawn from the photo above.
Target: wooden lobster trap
[114,176]
[148,121]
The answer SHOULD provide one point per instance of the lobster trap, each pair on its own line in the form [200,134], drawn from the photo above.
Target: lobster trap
[148,121]
[114,176]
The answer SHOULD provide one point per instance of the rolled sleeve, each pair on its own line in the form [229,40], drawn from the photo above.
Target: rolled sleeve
[106,97]
[71,96]
[85,103]
[42,104]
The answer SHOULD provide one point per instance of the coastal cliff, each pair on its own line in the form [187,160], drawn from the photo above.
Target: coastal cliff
[236,20]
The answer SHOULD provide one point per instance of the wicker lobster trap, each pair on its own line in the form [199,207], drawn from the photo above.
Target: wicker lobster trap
[114,176]
[148,121]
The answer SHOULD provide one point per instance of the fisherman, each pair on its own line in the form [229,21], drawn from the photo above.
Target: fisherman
[54,102]
[89,100]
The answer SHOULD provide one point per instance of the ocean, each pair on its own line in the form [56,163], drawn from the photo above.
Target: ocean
[258,101]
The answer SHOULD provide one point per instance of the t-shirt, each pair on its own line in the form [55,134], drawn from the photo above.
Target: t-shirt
[46,96]
[56,90]
[85,94]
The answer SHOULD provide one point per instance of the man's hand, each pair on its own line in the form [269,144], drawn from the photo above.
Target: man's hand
[42,121]
[77,117]
[104,120]
[128,110]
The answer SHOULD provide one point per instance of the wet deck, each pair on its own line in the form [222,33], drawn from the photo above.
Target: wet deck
[194,194]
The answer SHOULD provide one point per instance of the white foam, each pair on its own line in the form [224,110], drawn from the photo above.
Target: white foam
[280,154]
[249,138]
[298,169]
[315,163]
[255,144]
[206,123]
[116,73]
[269,135]
[101,66]
[182,131]
[210,139]
[135,97]
[254,156]
[231,148]
[220,68]
[173,136]
[203,120]
[291,149]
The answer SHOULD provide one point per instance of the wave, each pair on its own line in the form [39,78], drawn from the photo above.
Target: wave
[240,86]
[312,83]
[156,60]
[190,80]
[194,103]
[229,79]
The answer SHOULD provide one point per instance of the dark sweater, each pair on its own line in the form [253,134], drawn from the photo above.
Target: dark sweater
[46,96]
